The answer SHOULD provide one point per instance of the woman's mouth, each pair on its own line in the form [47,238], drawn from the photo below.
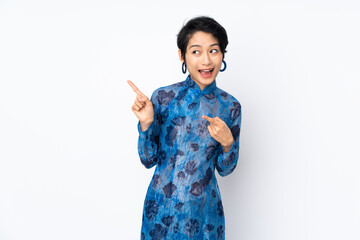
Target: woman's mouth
[206,73]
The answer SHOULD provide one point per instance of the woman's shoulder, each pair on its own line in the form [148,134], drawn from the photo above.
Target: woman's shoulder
[165,94]
[171,87]
[227,97]
[231,104]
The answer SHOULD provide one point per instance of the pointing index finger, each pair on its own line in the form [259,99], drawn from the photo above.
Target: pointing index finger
[136,90]
[207,118]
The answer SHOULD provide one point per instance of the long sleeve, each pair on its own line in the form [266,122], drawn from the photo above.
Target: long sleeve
[226,161]
[148,142]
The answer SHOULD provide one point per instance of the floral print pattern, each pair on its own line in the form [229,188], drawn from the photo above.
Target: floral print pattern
[183,200]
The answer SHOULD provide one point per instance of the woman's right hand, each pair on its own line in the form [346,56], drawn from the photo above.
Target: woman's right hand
[142,107]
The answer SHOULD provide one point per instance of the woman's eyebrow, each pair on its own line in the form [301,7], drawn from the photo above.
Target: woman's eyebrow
[214,44]
[194,46]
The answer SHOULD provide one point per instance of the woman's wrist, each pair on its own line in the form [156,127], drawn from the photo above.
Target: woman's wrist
[227,147]
[145,125]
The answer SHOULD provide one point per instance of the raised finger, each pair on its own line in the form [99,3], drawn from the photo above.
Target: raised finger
[208,118]
[141,98]
[136,90]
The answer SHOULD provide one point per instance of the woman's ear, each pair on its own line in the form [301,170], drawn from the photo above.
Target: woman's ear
[180,56]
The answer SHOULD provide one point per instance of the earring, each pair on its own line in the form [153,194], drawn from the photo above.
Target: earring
[184,68]
[221,70]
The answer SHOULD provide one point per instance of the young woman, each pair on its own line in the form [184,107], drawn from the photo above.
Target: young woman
[187,129]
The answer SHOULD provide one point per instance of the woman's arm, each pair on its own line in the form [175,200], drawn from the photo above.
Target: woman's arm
[226,161]
[148,142]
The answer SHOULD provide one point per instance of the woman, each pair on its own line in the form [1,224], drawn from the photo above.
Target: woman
[187,129]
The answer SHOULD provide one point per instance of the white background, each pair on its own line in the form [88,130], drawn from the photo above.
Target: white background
[69,166]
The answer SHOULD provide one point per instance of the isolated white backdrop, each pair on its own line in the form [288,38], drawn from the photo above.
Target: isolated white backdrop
[69,167]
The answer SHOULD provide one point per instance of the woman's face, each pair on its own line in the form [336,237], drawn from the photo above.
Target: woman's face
[203,58]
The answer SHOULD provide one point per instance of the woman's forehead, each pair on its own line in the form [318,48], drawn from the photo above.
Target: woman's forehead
[202,39]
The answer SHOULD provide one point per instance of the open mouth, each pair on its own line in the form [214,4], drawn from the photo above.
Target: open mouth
[206,73]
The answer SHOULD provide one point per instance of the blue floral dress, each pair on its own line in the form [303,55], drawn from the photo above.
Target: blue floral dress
[183,199]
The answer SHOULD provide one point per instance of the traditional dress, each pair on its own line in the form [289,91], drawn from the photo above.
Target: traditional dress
[183,199]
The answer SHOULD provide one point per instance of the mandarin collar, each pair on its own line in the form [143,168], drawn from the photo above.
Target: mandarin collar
[194,87]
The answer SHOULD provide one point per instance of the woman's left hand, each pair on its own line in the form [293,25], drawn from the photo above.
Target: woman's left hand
[220,132]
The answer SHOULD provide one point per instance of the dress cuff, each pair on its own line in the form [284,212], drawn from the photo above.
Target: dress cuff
[226,154]
[148,131]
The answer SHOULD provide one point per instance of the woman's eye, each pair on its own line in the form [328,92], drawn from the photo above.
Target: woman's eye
[213,51]
[196,51]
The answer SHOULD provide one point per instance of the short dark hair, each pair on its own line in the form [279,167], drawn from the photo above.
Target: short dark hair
[204,24]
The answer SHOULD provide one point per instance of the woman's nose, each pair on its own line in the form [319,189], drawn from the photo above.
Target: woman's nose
[206,59]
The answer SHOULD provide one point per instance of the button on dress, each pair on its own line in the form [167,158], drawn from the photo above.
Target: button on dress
[183,200]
